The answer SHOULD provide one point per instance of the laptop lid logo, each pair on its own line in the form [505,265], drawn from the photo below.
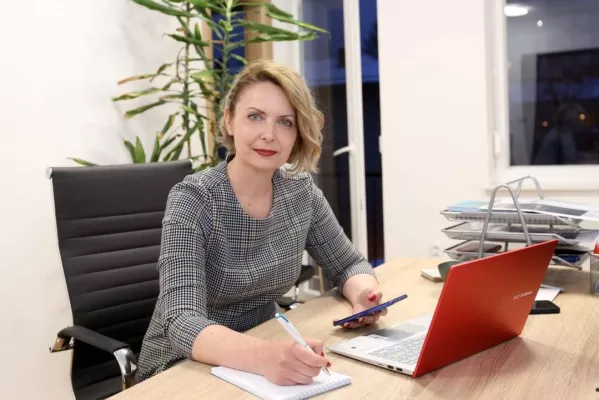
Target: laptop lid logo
[519,296]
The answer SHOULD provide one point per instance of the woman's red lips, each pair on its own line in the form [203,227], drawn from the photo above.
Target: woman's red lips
[265,153]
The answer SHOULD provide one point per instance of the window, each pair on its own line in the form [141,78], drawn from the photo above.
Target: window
[547,90]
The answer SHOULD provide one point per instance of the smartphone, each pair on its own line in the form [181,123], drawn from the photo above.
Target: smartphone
[370,311]
[544,307]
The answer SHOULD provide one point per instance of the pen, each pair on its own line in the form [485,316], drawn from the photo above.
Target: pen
[294,333]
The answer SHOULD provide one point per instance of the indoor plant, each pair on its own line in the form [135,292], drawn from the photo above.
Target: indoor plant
[201,74]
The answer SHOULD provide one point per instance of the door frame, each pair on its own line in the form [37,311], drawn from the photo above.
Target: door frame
[290,54]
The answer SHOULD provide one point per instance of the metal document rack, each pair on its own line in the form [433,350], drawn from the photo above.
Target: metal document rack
[503,228]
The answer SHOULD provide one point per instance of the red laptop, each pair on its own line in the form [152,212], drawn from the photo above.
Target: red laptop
[483,303]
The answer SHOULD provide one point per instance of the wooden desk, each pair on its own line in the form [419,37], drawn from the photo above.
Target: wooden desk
[557,356]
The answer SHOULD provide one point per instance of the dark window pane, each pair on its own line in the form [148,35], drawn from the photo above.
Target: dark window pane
[553,78]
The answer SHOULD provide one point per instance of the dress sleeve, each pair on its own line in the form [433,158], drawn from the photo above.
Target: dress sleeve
[182,265]
[330,247]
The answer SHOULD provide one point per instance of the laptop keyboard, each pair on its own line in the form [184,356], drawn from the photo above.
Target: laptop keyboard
[407,351]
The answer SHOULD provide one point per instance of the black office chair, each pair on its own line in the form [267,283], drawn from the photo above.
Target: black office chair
[109,224]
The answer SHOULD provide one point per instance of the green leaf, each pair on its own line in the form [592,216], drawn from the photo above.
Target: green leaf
[239,58]
[226,25]
[269,33]
[264,37]
[190,110]
[140,154]
[172,96]
[139,110]
[197,33]
[216,28]
[82,162]
[203,76]
[167,143]
[175,152]
[163,67]
[189,40]
[185,25]
[263,28]
[168,85]
[207,4]
[202,136]
[269,7]
[301,24]
[136,78]
[131,149]
[152,5]
[168,124]
[136,94]
[156,151]
[276,13]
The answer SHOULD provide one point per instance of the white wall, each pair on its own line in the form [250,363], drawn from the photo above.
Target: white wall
[433,116]
[60,61]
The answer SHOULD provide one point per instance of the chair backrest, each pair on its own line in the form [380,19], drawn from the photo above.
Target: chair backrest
[109,223]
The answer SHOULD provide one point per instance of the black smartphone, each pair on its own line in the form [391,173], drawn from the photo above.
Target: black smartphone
[370,311]
[544,307]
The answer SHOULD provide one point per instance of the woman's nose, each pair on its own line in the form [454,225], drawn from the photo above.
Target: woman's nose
[268,133]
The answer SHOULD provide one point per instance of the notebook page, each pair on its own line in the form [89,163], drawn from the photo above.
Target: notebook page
[263,388]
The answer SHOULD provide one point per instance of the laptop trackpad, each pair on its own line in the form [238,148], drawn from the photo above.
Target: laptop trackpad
[399,332]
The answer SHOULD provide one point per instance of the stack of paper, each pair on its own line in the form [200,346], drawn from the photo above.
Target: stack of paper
[547,292]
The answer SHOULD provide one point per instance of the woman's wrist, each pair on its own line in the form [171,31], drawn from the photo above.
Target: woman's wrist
[261,352]
[355,287]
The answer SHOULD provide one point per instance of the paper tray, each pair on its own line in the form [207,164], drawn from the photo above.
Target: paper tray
[509,217]
[455,254]
[510,233]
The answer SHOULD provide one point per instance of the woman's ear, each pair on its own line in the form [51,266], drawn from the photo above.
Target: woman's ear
[228,122]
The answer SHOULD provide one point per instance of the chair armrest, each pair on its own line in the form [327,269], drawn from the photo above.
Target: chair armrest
[121,351]
[88,336]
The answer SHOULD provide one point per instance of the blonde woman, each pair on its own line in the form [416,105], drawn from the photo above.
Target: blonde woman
[234,235]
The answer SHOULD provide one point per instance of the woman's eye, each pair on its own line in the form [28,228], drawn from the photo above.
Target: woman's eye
[286,123]
[254,117]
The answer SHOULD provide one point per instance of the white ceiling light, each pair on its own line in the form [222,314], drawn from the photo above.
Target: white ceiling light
[515,10]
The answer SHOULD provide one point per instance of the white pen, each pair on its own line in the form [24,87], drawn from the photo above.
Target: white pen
[294,333]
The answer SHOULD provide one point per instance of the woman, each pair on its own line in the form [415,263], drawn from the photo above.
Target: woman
[233,238]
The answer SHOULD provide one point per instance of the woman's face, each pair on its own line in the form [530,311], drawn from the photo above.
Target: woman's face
[263,126]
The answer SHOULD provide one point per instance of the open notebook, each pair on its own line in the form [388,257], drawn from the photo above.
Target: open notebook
[261,387]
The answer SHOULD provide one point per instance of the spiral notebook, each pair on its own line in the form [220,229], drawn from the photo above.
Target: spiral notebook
[264,389]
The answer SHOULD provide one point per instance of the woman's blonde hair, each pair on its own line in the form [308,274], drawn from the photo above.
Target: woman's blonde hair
[306,151]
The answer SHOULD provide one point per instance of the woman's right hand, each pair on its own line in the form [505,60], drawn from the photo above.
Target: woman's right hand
[287,363]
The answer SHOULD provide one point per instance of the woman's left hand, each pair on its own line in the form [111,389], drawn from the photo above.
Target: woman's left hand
[367,298]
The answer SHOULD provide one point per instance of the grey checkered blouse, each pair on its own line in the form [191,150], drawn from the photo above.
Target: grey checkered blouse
[218,265]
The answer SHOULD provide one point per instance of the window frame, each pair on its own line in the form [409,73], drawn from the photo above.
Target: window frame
[552,177]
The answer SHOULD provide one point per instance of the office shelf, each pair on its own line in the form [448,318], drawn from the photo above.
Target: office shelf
[455,254]
[510,217]
[504,228]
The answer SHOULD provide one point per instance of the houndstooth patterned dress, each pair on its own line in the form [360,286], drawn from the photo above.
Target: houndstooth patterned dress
[218,265]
